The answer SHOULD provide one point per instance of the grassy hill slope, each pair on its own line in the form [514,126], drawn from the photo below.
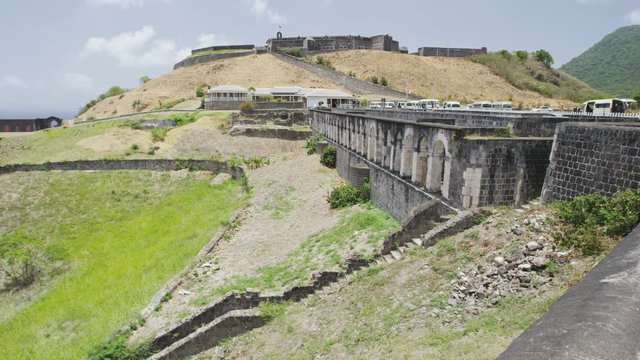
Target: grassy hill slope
[532,75]
[255,70]
[612,64]
[467,80]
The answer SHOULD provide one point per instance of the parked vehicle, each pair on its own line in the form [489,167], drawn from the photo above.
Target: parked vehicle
[502,105]
[452,105]
[375,105]
[603,106]
[407,105]
[389,105]
[429,103]
[543,109]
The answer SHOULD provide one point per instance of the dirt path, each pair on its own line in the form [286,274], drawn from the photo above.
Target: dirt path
[285,196]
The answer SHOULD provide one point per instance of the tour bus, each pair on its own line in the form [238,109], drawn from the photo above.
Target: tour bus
[504,105]
[603,106]
[429,104]
[452,105]
[375,105]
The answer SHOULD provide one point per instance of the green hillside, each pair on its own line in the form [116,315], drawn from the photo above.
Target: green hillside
[527,73]
[612,64]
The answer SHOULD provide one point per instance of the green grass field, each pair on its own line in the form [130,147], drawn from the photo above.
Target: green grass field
[52,144]
[121,235]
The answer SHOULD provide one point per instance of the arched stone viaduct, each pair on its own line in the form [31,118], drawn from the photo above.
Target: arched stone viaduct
[465,167]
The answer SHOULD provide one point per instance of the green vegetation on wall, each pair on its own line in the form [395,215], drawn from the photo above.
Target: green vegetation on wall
[612,64]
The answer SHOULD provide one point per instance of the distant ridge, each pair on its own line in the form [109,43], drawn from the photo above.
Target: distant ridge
[611,65]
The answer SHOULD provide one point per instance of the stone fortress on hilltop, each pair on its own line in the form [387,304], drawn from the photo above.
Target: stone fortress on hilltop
[332,43]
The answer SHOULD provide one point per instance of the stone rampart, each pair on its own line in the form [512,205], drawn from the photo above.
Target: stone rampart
[590,158]
[211,57]
[133,164]
[223,47]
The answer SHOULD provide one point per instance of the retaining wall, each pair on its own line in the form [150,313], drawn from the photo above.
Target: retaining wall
[283,133]
[208,58]
[354,85]
[133,164]
[589,158]
[236,105]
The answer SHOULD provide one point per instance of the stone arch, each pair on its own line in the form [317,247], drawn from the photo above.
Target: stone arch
[421,162]
[406,160]
[371,140]
[397,151]
[439,167]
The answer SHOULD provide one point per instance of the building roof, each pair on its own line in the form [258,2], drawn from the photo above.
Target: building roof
[291,90]
[262,91]
[228,88]
[328,93]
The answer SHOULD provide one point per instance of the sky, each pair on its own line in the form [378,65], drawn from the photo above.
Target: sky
[57,55]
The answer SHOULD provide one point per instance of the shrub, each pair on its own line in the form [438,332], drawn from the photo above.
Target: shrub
[374,80]
[135,147]
[144,79]
[348,195]
[183,119]
[503,132]
[328,157]
[113,91]
[116,348]
[320,60]
[383,81]
[170,104]
[200,92]
[352,74]
[24,259]
[522,55]
[247,107]
[159,134]
[364,102]
[312,143]
[256,162]
[505,54]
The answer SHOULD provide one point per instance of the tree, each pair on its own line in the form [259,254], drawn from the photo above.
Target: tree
[522,55]
[505,54]
[544,57]
[145,79]
[636,97]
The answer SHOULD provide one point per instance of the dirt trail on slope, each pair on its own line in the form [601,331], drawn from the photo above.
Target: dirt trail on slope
[285,196]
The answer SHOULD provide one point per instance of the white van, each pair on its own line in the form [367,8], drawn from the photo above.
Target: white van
[389,105]
[603,106]
[504,105]
[429,103]
[452,105]
[375,105]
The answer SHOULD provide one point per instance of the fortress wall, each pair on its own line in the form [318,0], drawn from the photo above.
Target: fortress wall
[590,158]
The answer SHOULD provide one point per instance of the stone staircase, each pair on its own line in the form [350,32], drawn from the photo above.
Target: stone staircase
[237,313]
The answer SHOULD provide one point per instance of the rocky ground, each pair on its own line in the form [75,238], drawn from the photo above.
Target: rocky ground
[467,297]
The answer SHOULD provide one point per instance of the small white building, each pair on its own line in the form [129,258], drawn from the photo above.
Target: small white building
[228,93]
[327,97]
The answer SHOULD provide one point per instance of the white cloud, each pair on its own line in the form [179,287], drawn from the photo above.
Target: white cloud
[205,40]
[136,48]
[261,9]
[13,82]
[634,16]
[77,81]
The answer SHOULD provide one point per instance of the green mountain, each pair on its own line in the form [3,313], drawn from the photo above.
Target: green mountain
[611,65]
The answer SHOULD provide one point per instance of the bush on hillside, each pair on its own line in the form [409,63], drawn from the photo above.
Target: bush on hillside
[200,91]
[144,79]
[183,119]
[544,57]
[590,217]
[374,80]
[348,195]
[384,81]
[23,259]
[312,143]
[328,157]
[112,91]
[247,107]
[522,55]
[505,54]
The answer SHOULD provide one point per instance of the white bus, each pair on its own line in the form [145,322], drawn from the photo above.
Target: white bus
[429,103]
[603,106]
[503,105]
